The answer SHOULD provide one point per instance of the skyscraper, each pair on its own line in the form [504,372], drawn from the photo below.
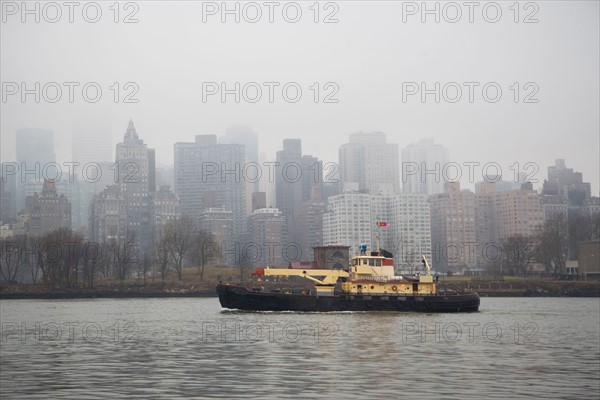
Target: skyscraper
[453,228]
[35,150]
[423,167]
[348,221]
[299,184]
[243,134]
[47,211]
[136,173]
[267,228]
[501,214]
[370,163]
[567,184]
[108,215]
[8,193]
[208,175]
[352,219]
[92,142]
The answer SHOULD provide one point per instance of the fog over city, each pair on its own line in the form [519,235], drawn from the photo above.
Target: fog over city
[371,62]
[300,199]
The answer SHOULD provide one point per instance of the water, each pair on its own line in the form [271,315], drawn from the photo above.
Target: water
[191,348]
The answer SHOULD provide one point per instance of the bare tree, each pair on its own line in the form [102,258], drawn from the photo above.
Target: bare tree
[179,234]
[62,251]
[582,227]
[245,263]
[518,253]
[204,250]
[124,252]
[35,258]
[553,244]
[94,257]
[12,256]
[161,258]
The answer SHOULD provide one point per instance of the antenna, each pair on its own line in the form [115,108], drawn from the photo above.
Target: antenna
[378,234]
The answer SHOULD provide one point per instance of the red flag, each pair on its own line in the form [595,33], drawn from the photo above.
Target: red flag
[381,223]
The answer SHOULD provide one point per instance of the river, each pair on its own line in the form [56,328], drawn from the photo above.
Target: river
[191,348]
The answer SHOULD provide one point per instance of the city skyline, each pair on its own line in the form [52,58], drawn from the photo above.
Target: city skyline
[300,199]
[471,173]
[374,56]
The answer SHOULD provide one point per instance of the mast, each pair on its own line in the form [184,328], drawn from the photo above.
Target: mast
[427,269]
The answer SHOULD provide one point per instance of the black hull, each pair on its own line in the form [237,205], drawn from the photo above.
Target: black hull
[238,297]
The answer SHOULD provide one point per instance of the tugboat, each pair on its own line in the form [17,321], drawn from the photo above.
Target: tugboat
[369,284]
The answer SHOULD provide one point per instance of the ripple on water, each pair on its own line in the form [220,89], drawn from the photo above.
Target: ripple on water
[182,348]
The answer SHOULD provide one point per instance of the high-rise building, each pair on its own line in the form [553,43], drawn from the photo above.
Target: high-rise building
[423,167]
[486,233]
[244,135]
[136,176]
[269,246]
[348,221]
[108,216]
[8,193]
[408,229]
[565,193]
[499,184]
[92,142]
[567,184]
[501,214]
[370,163]
[47,211]
[218,221]
[259,200]
[298,183]
[288,180]
[398,223]
[518,212]
[453,228]
[208,175]
[35,151]
[165,204]
[310,228]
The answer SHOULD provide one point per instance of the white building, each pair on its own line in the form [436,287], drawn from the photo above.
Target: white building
[348,221]
[351,219]
[423,167]
[371,163]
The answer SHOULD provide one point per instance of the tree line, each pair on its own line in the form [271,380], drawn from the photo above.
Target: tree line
[554,242]
[63,258]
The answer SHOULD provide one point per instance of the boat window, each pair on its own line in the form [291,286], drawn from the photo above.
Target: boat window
[364,262]
[372,262]
[378,263]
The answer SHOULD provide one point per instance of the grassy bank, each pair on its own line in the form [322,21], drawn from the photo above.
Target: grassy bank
[517,286]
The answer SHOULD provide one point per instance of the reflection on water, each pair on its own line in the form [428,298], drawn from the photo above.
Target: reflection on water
[186,348]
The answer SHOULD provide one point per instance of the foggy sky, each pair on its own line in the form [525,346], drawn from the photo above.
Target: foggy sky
[170,52]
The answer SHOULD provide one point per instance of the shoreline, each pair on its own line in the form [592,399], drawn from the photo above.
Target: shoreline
[174,293]
[496,288]
[103,295]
